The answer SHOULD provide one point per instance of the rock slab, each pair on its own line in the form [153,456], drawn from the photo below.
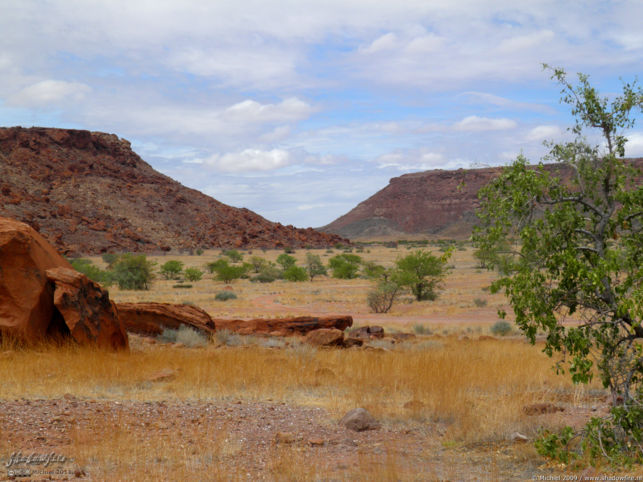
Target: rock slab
[359,419]
[150,319]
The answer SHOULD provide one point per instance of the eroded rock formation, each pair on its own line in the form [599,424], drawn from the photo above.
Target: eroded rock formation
[150,319]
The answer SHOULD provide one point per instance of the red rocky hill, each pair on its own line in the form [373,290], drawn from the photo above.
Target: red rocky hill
[440,203]
[89,193]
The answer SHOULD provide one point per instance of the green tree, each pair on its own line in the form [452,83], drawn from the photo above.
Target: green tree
[172,269]
[133,272]
[295,273]
[422,273]
[573,249]
[214,265]
[234,255]
[257,263]
[193,274]
[286,261]
[227,273]
[314,266]
[345,266]
[93,272]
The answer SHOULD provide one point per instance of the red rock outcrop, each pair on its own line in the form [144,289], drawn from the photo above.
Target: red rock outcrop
[26,297]
[437,202]
[43,298]
[326,337]
[300,325]
[86,309]
[89,193]
[151,318]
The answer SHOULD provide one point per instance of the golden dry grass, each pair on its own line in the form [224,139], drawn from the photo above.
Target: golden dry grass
[476,388]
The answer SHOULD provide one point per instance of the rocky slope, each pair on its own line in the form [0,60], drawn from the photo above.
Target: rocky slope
[89,193]
[438,202]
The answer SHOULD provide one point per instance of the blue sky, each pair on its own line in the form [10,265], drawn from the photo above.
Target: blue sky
[299,110]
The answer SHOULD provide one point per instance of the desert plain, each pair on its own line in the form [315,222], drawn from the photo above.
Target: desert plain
[452,400]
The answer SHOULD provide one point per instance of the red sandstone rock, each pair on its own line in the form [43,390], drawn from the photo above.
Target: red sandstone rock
[86,310]
[285,326]
[151,318]
[26,298]
[326,337]
[79,185]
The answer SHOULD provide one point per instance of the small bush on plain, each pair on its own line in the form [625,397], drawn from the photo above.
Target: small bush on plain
[225,296]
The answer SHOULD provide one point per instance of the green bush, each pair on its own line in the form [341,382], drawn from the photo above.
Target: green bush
[501,328]
[295,273]
[345,266]
[110,259]
[420,329]
[185,335]
[314,266]
[182,285]
[94,273]
[286,261]
[225,296]
[193,274]
[214,265]
[133,272]
[479,302]
[234,255]
[172,269]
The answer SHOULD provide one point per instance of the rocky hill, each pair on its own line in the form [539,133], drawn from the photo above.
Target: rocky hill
[439,203]
[89,193]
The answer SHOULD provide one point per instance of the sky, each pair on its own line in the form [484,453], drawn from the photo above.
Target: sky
[299,110]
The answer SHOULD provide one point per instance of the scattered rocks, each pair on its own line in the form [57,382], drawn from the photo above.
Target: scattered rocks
[541,409]
[368,332]
[359,419]
[325,337]
[286,438]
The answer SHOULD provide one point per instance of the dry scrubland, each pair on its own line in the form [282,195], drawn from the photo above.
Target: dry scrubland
[467,393]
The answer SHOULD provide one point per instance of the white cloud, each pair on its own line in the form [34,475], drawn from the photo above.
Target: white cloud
[542,133]
[290,109]
[634,146]
[249,160]
[520,43]
[475,123]
[47,92]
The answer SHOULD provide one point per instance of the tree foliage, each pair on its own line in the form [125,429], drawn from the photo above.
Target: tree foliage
[314,266]
[171,269]
[193,274]
[345,266]
[572,249]
[421,272]
[133,272]
[381,298]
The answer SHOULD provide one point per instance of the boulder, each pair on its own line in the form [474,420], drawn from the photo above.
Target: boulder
[26,296]
[151,318]
[326,337]
[300,325]
[368,332]
[86,309]
[359,420]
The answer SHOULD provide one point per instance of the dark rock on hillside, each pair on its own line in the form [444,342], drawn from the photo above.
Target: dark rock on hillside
[89,193]
[437,202]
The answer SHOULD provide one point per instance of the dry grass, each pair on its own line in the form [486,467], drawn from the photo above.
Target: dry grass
[476,389]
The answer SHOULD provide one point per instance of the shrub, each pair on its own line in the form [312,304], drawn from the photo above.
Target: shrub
[345,266]
[94,273]
[381,298]
[109,259]
[501,328]
[314,265]
[479,302]
[228,273]
[422,273]
[199,252]
[286,261]
[133,272]
[171,269]
[193,274]
[214,265]
[182,285]
[225,296]
[420,329]
[257,263]
[295,273]
[185,335]
[234,255]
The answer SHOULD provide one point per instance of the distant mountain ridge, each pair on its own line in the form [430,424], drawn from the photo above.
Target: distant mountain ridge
[89,193]
[437,203]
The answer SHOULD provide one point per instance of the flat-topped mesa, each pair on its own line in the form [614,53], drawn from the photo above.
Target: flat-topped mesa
[437,202]
[89,193]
